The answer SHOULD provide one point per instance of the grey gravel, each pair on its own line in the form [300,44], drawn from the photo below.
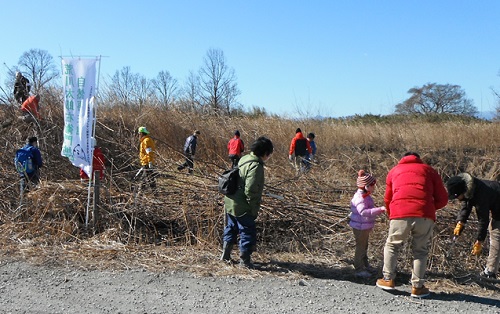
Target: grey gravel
[25,288]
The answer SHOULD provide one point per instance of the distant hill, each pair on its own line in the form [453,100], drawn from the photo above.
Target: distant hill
[486,115]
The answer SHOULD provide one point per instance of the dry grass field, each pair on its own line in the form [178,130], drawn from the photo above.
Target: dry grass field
[304,234]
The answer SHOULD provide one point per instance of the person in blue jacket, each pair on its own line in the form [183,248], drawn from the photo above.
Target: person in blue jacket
[36,160]
[189,151]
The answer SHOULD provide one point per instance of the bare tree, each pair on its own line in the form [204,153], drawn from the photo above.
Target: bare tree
[434,98]
[217,82]
[190,93]
[119,89]
[142,90]
[39,67]
[127,88]
[165,87]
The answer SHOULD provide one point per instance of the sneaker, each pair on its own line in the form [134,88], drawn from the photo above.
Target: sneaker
[421,292]
[488,274]
[363,274]
[386,284]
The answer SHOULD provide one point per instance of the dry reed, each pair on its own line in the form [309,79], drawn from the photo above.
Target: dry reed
[306,233]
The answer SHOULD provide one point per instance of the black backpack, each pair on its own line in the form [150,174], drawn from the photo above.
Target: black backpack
[301,147]
[228,180]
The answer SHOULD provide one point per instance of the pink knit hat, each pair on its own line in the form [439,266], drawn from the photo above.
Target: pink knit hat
[364,179]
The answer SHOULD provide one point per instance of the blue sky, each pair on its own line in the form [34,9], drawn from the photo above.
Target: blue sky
[333,58]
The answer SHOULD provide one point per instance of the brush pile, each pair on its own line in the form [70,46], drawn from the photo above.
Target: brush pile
[305,230]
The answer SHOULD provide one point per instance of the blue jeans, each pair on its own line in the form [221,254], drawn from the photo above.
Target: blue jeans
[245,226]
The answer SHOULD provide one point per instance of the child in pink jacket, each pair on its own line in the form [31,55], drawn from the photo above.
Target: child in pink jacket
[362,220]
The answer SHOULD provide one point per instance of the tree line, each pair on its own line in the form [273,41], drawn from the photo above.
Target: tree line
[213,89]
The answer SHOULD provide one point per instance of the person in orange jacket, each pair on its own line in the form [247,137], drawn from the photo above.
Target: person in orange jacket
[97,163]
[299,149]
[31,108]
[235,148]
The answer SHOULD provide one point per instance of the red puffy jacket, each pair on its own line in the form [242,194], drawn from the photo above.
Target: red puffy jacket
[293,145]
[235,146]
[414,189]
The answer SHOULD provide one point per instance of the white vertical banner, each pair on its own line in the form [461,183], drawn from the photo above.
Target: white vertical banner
[79,85]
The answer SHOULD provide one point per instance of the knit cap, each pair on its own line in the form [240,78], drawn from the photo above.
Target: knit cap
[456,186]
[364,179]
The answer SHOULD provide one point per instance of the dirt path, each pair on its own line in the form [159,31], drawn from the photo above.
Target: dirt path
[25,288]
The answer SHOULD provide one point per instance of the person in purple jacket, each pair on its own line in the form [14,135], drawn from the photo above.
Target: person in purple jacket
[362,220]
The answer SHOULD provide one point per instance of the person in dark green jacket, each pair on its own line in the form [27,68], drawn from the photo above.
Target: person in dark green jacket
[242,208]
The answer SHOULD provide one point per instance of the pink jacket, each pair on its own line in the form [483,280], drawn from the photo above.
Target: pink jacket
[363,211]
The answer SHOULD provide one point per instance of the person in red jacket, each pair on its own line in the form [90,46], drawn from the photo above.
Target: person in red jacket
[299,150]
[31,108]
[97,163]
[235,148]
[414,191]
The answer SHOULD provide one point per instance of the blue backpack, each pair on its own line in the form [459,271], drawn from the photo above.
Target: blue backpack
[24,161]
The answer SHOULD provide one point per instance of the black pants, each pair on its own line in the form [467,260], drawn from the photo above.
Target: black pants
[21,97]
[189,163]
[234,160]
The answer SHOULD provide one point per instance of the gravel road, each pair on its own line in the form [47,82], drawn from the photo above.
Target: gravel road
[26,288]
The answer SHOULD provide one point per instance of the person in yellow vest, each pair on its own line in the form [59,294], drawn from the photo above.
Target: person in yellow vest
[147,150]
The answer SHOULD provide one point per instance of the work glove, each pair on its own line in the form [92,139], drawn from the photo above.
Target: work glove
[290,157]
[458,229]
[150,165]
[477,249]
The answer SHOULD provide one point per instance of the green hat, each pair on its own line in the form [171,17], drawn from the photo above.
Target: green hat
[142,129]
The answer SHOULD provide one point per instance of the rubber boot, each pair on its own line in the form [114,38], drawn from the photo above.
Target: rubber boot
[245,261]
[226,251]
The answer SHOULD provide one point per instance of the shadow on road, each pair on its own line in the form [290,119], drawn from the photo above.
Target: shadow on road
[464,298]
[316,271]
[347,274]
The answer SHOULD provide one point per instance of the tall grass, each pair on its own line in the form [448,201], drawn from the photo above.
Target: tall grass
[189,210]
